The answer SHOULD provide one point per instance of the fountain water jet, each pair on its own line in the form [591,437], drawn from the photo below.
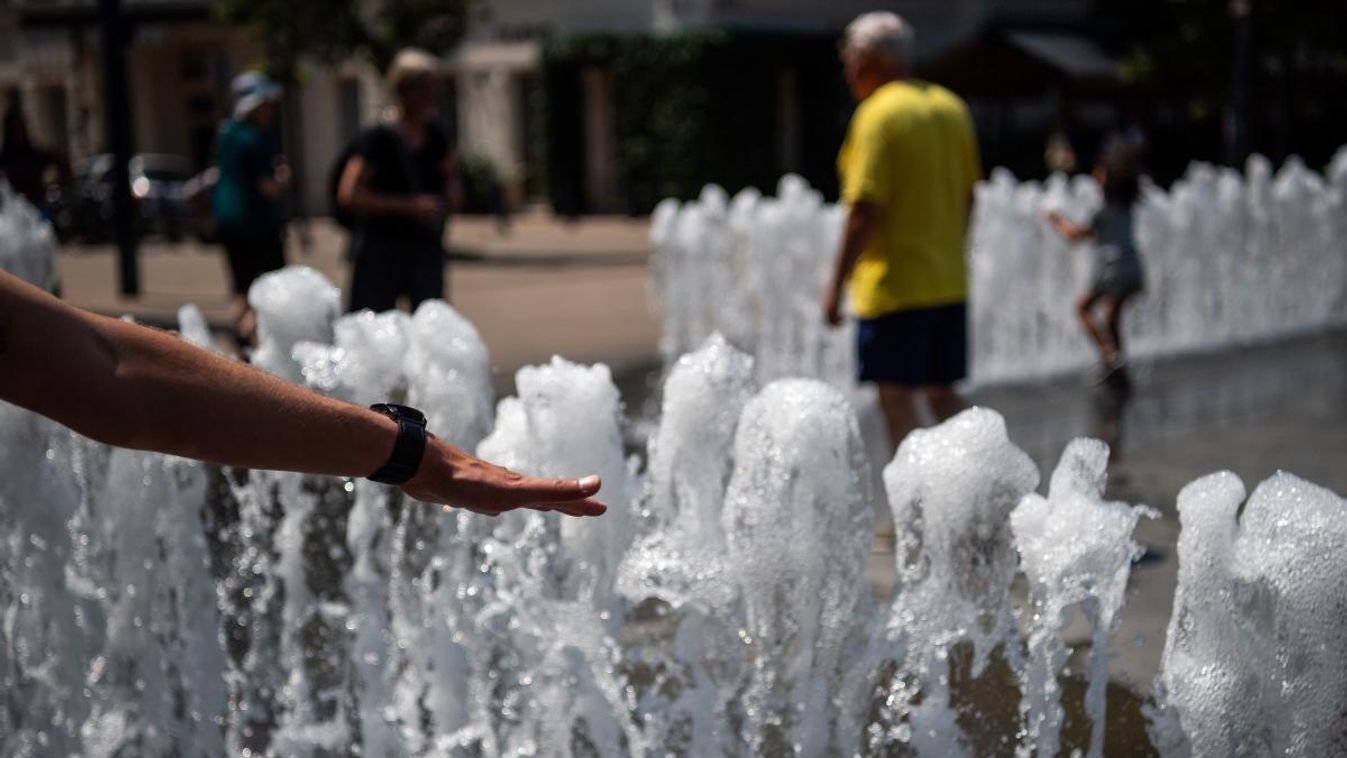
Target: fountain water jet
[1075,549]
[1231,259]
[1254,652]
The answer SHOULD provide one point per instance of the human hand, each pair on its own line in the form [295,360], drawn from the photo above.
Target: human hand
[832,306]
[451,477]
[428,209]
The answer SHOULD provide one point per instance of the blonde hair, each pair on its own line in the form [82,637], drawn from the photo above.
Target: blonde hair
[882,34]
[409,64]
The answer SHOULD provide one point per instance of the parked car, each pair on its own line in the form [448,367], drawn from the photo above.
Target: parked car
[197,193]
[157,193]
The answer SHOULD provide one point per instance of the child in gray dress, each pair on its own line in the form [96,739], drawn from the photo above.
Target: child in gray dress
[1117,272]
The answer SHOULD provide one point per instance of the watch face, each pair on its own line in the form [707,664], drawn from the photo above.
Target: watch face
[395,412]
[409,413]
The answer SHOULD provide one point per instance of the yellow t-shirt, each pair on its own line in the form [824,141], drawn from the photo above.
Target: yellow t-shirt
[911,151]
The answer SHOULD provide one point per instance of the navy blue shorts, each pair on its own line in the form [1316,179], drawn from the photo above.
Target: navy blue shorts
[914,348]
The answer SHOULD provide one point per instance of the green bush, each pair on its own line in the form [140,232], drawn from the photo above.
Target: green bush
[690,108]
[481,184]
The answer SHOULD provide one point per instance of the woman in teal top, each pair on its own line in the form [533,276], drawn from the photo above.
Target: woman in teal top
[253,180]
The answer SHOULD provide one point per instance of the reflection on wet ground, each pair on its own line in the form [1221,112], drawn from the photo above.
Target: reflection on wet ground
[1252,411]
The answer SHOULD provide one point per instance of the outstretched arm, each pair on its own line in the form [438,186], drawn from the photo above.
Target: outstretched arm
[136,387]
[1071,232]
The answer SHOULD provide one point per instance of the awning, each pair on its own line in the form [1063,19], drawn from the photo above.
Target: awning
[1073,55]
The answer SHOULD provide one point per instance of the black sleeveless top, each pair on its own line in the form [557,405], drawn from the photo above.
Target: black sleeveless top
[395,170]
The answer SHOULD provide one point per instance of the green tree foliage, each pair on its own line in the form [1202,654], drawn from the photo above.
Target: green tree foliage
[1184,51]
[690,108]
[336,29]
[432,25]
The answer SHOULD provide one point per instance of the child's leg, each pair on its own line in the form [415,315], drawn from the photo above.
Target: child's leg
[1084,312]
[1113,307]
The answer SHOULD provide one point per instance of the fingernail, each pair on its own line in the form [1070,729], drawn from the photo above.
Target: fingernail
[588,482]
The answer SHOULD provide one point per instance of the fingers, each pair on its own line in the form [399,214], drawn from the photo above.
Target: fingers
[586,507]
[569,496]
[491,490]
[535,489]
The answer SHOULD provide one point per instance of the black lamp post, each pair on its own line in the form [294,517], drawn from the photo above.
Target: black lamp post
[1240,139]
[117,115]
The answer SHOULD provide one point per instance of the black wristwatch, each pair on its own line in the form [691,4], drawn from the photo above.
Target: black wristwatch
[410,445]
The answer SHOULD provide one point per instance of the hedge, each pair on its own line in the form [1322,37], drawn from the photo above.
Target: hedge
[690,108]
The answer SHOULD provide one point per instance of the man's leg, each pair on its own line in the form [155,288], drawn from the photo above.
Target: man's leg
[899,405]
[944,401]
[949,361]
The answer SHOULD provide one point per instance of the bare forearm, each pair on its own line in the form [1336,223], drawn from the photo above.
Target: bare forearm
[860,227]
[1068,230]
[137,387]
[368,201]
[272,188]
[191,403]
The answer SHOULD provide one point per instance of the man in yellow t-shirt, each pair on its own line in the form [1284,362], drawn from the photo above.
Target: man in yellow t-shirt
[907,172]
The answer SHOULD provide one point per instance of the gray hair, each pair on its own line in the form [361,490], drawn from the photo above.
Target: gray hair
[882,34]
[410,63]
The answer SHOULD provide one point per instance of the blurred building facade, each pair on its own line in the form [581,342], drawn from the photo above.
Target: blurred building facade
[607,105]
[509,64]
[180,62]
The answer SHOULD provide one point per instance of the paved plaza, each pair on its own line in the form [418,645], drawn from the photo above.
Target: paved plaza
[543,287]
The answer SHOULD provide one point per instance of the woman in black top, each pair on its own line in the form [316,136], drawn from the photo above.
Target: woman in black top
[400,183]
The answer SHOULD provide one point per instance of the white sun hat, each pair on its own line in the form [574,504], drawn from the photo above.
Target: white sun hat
[251,89]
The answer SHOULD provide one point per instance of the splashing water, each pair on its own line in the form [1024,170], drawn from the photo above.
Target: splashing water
[951,488]
[753,271]
[1231,259]
[192,325]
[293,305]
[1253,660]
[1075,549]
[160,607]
[27,241]
[798,523]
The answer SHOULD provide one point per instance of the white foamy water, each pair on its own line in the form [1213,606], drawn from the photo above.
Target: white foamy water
[1231,259]
[951,488]
[1254,657]
[27,242]
[153,606]
[1076,551]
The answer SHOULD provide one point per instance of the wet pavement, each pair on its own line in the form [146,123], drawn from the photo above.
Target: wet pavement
[543,286]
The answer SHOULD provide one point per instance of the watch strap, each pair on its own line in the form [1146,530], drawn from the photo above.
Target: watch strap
[409,447]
